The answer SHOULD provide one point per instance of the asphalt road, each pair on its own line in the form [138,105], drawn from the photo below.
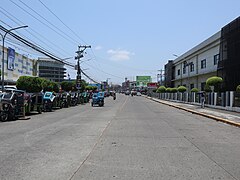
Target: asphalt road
[129,138]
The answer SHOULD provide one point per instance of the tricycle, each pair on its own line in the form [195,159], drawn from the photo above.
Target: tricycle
[13,103]
[48,100]
[98,98]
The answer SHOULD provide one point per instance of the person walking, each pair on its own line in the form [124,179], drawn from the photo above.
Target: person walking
[202,99]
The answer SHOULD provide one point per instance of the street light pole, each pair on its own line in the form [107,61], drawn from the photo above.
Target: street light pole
[3,39]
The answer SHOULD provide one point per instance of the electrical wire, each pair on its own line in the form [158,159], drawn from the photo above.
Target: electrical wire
[61,35]
[62,22]
[10,16]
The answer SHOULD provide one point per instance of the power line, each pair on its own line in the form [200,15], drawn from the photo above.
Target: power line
[69,40]
[9,15]
[48,21]
[62,22]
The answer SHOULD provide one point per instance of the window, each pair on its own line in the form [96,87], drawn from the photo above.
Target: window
[203,86]
[216,59]
[191,67]
[184,70]
[203,64]
[191,86]
[178,72]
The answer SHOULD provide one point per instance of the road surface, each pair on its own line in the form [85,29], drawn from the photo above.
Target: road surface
[129,138]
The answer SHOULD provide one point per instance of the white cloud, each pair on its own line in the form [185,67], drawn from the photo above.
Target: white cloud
[98,47]
[119,55]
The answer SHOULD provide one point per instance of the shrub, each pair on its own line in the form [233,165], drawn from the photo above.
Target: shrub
[238,89]
[207,88]
[168,90]
[214,81]
[161,89]
[174,90]
[194,90]
[154,90]
[182,89]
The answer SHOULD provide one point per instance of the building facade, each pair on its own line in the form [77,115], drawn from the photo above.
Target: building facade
[16,65]
[218,55]
[51,69]
[194,67]
[229,64]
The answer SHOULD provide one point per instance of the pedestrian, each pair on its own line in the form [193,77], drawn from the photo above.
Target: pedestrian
[202,99]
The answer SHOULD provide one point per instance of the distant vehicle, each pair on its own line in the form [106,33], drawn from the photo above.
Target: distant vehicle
[98,98]
[133,93]
[139,94]
[127,92]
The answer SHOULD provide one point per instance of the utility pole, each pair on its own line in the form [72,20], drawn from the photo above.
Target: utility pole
[80,52]
[161,74]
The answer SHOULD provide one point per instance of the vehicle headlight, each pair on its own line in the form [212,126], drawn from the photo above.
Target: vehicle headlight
[5,105]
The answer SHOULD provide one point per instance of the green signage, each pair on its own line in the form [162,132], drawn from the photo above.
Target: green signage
[143,80]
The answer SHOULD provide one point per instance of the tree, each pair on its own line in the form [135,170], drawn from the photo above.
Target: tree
[68,85]
[50,86]
[215,81]
[182,89]
[29,84]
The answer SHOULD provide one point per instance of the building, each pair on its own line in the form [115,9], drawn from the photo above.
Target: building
[16,65]
[51,69]
[194,67]
[229,64]
[219,55]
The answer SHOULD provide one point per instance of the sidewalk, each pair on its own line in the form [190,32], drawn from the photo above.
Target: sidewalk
[228,117]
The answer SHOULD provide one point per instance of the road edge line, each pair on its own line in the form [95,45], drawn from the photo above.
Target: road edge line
[198,113]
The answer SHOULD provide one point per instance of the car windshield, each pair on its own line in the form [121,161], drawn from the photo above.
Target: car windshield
[47,94]
[7,95]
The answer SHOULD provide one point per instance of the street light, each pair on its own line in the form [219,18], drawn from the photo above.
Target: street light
[3,38]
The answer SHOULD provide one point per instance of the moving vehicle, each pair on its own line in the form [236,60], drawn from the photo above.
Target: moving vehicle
[98,98]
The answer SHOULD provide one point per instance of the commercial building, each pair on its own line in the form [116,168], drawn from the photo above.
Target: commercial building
[51,69]
[219,55]
[16,65]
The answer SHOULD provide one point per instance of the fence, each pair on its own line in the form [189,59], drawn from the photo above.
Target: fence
[225,100]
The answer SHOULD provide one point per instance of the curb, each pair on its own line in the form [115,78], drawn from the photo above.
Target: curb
[198,113]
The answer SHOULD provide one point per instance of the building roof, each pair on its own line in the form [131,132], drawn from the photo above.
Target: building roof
[203,44]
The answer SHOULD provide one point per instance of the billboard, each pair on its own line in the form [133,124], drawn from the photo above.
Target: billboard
[96,85]
[152,85]
[11,58]
[142,81]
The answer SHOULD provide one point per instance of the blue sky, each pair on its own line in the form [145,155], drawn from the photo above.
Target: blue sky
[128,37]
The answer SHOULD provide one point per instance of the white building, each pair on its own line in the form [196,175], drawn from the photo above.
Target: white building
[194,67]
[16,65]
